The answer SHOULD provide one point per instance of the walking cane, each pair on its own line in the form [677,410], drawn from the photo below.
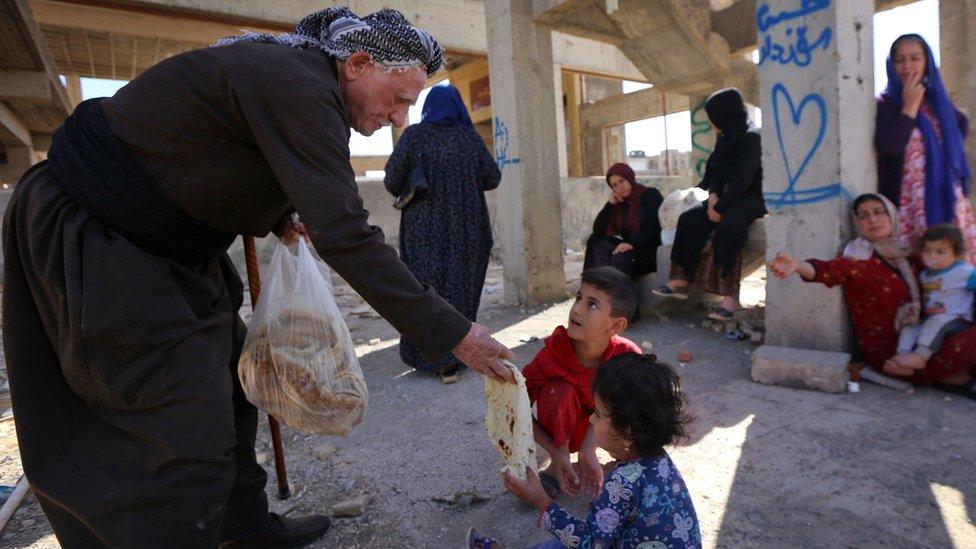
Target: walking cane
[254,285]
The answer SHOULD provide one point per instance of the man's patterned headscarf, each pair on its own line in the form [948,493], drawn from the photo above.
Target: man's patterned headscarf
[386,35]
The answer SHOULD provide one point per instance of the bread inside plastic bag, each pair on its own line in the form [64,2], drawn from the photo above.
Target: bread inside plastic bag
[299,363]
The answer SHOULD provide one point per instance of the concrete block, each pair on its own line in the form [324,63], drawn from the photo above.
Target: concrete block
[801,368]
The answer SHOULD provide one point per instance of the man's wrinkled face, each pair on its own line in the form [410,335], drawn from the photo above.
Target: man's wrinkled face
[376,97]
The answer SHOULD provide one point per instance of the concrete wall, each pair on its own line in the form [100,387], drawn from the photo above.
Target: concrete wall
[19,160]
[957,19]
[362,164]
[815,158]
[4,199]
[581,197]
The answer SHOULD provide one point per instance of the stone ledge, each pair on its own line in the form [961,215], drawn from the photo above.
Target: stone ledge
[801,368]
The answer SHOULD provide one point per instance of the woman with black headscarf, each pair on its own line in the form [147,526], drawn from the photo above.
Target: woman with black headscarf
[445,232]
[708,244]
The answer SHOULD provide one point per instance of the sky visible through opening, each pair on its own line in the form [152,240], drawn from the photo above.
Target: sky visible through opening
[921,17]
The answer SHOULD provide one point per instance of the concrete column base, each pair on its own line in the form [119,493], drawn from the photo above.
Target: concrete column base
[801,368]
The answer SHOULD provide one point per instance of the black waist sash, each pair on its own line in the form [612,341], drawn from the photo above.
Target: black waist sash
[95,169]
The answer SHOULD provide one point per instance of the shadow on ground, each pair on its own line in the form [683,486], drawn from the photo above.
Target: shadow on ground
[767,466]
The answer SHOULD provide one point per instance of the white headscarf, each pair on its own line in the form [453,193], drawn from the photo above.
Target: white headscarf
[896,252]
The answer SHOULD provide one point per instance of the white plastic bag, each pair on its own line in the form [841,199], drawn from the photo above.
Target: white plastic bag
[678,202]
[299,363]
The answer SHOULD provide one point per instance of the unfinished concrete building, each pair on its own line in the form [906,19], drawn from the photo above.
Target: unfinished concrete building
[542,81]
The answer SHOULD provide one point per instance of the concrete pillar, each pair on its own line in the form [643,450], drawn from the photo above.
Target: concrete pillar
[522,97]
[596,88]
[818,125]
[702,137]
[74,89]
[559,101]
[397,132]
[957,19]
[14,161]
[616,146]
[572,91]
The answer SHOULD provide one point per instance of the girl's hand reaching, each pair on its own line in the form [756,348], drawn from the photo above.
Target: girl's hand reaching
[529,491]
[784,265]
[590,472]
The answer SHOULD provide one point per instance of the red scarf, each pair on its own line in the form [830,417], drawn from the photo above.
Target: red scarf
[633,221]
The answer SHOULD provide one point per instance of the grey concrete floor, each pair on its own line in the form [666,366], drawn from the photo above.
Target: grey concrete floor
[767,466]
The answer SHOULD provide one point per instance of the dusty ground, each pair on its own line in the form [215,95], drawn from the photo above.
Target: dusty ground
[767,466]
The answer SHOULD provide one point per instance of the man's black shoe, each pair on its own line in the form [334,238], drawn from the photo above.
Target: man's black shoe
[283,532]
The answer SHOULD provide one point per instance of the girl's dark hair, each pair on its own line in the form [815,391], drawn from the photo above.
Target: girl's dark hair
[644,400]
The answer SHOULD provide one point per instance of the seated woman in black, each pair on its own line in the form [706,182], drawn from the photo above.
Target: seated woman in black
[708,244]
[626,232]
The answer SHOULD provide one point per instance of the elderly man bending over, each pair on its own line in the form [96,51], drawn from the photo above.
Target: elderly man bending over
[120,306]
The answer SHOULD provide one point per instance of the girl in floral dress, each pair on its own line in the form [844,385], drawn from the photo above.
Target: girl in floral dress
[922,164]
[644,504]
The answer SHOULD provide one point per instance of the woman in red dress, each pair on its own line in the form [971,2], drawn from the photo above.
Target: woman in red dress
[881,291]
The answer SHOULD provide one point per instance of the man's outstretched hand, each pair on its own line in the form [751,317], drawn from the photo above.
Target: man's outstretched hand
[484,355]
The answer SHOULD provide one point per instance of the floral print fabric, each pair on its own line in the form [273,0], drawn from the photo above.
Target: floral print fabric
[874,290]
[912,204]
[645,503]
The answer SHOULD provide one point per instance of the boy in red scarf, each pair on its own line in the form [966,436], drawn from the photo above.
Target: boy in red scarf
[560,376]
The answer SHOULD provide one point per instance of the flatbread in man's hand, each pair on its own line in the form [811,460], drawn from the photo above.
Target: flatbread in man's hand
[509,422]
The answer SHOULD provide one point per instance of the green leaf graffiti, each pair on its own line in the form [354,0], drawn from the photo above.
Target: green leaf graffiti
[700,127]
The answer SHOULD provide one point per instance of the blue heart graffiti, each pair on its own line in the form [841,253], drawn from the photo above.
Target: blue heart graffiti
[790,196]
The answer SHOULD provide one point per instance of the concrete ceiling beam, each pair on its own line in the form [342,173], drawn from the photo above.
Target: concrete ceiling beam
[458,25]
[629,107]
[133,23]
[25,85]
[42,141]
[737,23]
[58,94]
[13,131]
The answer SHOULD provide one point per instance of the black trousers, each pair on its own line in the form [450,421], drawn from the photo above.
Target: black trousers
[728,236]
[132,424]
[599,253]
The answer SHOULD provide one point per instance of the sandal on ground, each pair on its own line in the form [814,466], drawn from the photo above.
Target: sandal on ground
[549,484]
[721,313]
[451,374]
[967,389]
[477,540]
[664,291]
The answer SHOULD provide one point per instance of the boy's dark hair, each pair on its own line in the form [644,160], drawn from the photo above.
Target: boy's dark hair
[644,400]
[946,232]
[619,288]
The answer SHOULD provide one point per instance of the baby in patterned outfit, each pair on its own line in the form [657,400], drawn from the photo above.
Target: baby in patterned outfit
[644,503]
